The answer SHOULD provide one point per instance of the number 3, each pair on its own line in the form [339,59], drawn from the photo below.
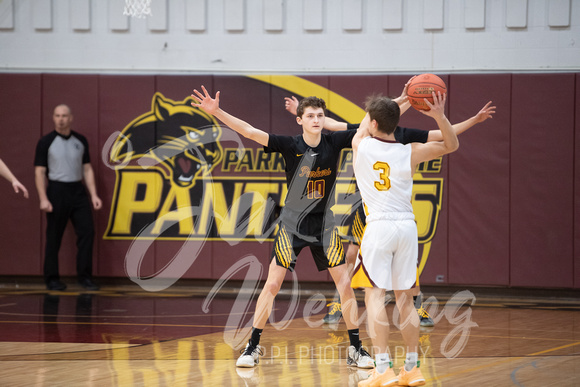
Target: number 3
[385,183]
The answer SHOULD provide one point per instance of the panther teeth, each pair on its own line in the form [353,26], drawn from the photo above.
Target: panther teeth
[187,179]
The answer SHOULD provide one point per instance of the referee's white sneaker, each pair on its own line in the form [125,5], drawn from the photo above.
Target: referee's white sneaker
[250,356]
[359,358]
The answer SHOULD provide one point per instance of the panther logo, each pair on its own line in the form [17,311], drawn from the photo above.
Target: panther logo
[174,134]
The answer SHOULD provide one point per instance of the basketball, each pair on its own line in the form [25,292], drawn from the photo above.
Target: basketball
[422,86]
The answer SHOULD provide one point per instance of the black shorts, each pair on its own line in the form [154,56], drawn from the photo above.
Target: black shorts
[327,249]
[355,223]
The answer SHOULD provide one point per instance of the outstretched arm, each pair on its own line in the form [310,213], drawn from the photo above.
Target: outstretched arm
[403,99]
[431,150]
[361,133]
[485,113]
[334,125]
[291,104]
[5,171]
[212,106]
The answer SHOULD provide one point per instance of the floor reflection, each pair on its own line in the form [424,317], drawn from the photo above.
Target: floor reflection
[119,338]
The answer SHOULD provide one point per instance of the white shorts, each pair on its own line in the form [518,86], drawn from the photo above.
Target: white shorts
[388,254]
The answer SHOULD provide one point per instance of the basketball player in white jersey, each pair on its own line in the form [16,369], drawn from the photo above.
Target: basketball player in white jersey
[384,173]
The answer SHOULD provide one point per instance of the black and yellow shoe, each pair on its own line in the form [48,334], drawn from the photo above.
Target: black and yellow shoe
[334,313]
[426,320]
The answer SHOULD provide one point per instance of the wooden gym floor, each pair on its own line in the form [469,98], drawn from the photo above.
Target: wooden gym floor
[124,336]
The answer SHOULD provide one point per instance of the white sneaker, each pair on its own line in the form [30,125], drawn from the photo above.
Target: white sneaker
[250,356]
[360,358]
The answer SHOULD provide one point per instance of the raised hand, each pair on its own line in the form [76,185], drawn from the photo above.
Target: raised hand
[485,113]
[437,108]
[205,101]
[291,104]
[404,98]
[404,95]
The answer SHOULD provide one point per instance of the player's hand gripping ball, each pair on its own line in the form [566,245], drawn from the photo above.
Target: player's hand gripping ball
[421,87]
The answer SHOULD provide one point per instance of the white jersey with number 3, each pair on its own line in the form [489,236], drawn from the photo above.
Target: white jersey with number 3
[388,251]
[384,177]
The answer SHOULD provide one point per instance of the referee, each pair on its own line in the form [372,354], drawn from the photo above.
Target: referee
[62,157]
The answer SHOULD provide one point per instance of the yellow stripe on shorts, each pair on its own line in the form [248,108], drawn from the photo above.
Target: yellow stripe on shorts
[358,228]
[335,251]
[283,248]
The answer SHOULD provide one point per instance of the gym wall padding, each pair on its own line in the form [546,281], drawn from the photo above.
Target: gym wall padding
[542,180]
[509,216]
[576,208]
[479,176]
[20,220]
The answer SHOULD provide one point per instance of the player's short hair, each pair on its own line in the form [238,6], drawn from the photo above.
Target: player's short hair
[313,102]
[385,111]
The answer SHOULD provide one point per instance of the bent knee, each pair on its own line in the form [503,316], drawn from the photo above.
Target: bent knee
[272,287]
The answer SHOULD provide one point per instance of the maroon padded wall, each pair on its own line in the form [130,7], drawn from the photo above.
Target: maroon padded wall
[576,208]
[20,225]
[542,180]
[343,85]
[478,186]
[510,208]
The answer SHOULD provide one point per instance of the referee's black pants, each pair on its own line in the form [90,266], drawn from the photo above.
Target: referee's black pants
[69,201]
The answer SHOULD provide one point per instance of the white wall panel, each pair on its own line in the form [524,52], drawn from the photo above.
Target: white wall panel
[117,21]
[195,15]
[352,15]
[559,13]
[158,19]
[474,13]
[516,13]
[273,15]
[80,14]
[433,14]
[234,15]
[392,14]
[42,14]
[291,36]
[313,15]
[6,14]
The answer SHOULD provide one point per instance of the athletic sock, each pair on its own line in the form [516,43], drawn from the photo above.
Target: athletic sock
[354,338]
[382,362]
[418,301]
[255,339]
[411,360]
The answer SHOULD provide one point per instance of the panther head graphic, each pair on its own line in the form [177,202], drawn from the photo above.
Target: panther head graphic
[175,134]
